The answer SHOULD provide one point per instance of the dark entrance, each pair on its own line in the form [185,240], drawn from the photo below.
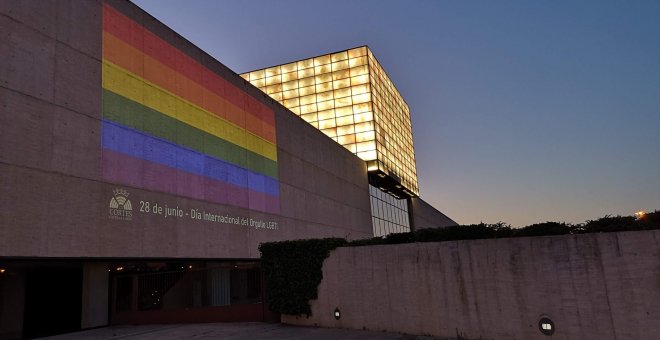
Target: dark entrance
[182,292]
[53,299]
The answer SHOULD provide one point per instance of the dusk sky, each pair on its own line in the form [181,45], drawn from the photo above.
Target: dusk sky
[522,111]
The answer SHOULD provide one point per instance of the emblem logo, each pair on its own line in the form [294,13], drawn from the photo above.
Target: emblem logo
[120,206]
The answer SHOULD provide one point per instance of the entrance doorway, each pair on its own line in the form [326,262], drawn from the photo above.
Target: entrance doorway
[53,302]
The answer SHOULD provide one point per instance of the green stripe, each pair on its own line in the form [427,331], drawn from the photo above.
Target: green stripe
[129,113]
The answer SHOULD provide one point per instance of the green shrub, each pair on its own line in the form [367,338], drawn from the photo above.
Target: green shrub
[293,271]
[610,224]
[545,229]
[649,221]
[366,242]
[463,232]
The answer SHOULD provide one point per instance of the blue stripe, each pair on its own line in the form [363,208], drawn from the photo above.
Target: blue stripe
[138,144]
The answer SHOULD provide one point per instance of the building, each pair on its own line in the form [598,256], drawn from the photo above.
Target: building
[140,175]
[349,97]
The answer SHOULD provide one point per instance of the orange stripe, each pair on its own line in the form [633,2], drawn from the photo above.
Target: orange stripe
[144,66]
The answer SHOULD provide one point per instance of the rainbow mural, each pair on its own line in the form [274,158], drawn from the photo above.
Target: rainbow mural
[171,124]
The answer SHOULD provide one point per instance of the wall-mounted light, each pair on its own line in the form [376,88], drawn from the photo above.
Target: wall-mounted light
[546,326]
[2,270]
[337,313]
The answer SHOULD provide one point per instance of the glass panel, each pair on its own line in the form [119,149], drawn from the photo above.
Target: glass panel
[325,96]
[257,74]
[309,117]
[259,82]
[362,98]
[307,108]
[353,62]
[360,89]
[289,76]
[345,130]
[343,92]
[343,111]
[332,132]
[367,155]
[366,146]
[303,91]
[340,65]
[359,70]
[291,102]
[322,60]
[357,52]
[341,75]
[322,78]
[308,99]
[273,80]
[290,85]
[345,120]
[366,126]
[305,64]
[342,83]
[363,107]
[341,102]
[322,69]
[273,71]
[363,117]
[308,72]
[328,123]
[289,67]
[347,139]
[324,87]
[290,94]
[326,114]
[340,56]
[326,105]
[350,147]
[306,81]
[365,136]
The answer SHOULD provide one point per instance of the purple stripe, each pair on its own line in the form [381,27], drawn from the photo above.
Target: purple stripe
[138,144]
[148,175]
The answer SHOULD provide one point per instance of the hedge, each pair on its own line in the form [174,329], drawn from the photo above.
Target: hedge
[293,271]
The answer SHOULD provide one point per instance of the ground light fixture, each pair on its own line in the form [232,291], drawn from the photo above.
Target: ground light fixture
[546,326]
[337,313]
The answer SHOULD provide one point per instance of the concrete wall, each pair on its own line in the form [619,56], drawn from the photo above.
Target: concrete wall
[593,286]
[55,200]
[94,294]
[12,304]
[426,216]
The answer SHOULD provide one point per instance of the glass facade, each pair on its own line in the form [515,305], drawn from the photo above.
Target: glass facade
[388,214]
[349,97]
[141,286]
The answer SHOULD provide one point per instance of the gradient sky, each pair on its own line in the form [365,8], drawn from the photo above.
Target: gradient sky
[522,111]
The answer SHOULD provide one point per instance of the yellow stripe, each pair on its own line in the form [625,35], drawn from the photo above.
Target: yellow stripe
[129,85]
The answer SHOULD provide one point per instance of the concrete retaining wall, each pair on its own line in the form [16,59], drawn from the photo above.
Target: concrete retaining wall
[594,286]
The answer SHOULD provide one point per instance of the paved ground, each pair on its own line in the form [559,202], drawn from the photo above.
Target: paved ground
[234,331]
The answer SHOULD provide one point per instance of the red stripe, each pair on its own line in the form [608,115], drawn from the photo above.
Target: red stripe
[141,38]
